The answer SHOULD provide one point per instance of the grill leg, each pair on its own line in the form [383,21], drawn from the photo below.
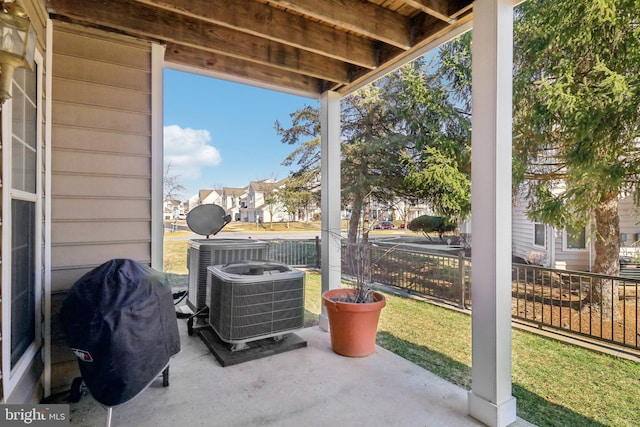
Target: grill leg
[190,326]
[165,377]
[109,413]
[76,390]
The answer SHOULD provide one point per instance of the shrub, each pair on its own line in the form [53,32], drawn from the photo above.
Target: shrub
[429,224]
[535,258]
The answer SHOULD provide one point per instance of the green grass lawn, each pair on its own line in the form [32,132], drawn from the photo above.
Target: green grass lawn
[556,384]
[175,254]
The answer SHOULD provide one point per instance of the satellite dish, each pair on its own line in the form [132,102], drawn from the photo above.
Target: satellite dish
[207,219]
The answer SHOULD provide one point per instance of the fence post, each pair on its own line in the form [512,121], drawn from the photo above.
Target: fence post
[318,251]
[461,273]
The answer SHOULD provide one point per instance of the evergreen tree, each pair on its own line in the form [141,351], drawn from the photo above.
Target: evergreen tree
[577,117]
[401,137]
[437,140]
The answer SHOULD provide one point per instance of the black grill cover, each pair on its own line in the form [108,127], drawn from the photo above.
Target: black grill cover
[119,319]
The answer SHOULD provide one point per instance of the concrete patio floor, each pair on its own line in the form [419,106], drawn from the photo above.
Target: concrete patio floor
[310,386]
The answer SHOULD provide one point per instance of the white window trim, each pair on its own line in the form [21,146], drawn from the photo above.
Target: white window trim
[586,241]
[533,235]
[11,377]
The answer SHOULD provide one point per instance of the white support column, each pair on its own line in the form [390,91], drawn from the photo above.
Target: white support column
[490,399]
[330,203]
[157,154]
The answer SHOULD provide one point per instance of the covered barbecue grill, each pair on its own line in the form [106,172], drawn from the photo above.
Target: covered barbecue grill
[120,321]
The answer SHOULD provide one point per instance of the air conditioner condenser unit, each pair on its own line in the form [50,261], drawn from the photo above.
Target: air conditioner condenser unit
[254,300]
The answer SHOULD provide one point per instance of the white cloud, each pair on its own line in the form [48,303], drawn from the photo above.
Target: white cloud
[188,151]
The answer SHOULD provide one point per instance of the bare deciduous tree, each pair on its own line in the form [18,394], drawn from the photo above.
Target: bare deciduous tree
[172,188]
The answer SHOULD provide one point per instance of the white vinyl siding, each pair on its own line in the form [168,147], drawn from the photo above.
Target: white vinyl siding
[579,260]
[523,232]
[629,220]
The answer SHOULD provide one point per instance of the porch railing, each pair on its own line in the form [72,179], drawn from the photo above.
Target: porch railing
[558,299]
[571,301]
[443,276]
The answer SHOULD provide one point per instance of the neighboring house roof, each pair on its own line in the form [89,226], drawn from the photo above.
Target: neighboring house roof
[202,194]
[233,191]
[267,185]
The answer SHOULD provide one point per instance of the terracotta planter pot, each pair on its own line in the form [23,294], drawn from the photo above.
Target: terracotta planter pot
[352,326]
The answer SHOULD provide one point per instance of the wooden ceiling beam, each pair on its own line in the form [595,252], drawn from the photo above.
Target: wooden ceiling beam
[147,22]
[277,25]
[366,19]
[436,8]
[308,46]
[431,30]
[260,74]
[464,7]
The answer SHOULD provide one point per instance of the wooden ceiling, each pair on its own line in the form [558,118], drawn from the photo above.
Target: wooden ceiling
[302,46]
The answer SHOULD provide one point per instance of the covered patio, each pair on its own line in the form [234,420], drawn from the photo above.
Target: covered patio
[309,386]
[99,159]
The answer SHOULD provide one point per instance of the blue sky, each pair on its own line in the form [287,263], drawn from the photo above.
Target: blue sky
[219,133]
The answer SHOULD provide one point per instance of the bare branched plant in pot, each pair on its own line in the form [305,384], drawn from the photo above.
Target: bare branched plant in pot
[354,311]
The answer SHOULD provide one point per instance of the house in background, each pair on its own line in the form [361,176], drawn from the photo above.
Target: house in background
[205,197]
[174,209]
[209,197]
[539,243]
[404,210]
[262,202]
[251,200]
[233,199]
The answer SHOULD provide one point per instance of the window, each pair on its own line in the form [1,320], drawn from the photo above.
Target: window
[539,234]
[22,237]
[23,289]
[575,239]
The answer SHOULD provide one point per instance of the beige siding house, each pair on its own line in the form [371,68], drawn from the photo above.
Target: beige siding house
[92,202]
[629,222]
[101,149]
[542,244]
[82,147]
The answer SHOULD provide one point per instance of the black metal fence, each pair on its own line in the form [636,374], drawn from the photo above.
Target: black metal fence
[569,301]
[594,305]
[439,275]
